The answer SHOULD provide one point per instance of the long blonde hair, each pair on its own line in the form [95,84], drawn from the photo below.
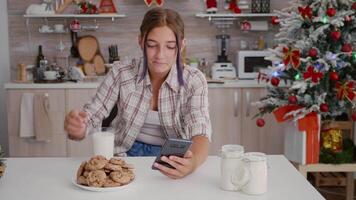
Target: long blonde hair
[158,17]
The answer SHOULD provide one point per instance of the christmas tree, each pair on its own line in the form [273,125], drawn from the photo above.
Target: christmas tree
[316,56]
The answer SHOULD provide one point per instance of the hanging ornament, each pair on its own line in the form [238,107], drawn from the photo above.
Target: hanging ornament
[331,12]
[346,48]
[305,12]
[353,6]
[353,116]
[334,76]
[291,56]
[345,90]
[331,137]
[313,52]
[324,107]
[310,73]
[275,81]
[347,19]
[157,2]
[335,35]
[292,99]
[260,122]
[274,20]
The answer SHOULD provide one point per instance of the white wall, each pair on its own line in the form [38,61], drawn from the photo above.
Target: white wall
[4,73]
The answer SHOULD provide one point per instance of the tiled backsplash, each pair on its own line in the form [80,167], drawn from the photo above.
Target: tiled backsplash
[200,35]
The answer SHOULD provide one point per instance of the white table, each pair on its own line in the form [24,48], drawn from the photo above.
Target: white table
[50,178]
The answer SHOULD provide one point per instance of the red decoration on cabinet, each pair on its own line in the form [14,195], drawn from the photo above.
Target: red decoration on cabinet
[107,6]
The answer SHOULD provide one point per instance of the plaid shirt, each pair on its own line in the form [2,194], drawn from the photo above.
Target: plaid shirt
[183,110]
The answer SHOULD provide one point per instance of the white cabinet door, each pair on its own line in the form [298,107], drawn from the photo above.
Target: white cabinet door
[75,99]
[225,114]
[267,139]
[23,147]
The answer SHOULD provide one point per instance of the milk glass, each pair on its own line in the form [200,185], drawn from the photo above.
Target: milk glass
[103,143]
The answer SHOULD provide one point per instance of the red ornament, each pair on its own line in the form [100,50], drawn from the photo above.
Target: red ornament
[324,107]
[260,122]
[346,48]
[274,20]
[313,52]
[347,19]
[275,81]
[331,12]
[335,35]
[306,12]
[334,76]
[292,99]
[353,116]
[353,6]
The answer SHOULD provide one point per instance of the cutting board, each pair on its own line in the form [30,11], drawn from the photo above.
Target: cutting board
[88,47]
[98,61]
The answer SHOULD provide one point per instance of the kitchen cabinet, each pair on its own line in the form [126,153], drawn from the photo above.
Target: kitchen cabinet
[22,147]
[76,98]
[225,117]
[232,112]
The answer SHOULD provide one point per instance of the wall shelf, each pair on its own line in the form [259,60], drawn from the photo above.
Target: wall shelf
[112,16]
[233,15]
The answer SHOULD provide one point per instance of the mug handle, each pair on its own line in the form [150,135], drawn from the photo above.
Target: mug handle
[240,179]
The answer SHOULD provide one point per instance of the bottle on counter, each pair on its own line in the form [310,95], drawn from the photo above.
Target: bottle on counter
[36,70]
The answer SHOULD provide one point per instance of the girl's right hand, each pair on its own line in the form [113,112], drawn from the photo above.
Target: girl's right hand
[75,124]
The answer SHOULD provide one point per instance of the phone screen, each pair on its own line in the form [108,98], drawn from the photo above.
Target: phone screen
[175,147]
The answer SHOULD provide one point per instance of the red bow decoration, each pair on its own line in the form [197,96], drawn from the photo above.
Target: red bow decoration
[150,2]
[345,90]
[315,76]
[291,56]
[233,7]
[305,12]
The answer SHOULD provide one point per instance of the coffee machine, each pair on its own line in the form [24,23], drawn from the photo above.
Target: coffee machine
[223,68]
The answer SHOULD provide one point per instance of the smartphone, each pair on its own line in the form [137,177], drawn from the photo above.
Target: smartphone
[172,147]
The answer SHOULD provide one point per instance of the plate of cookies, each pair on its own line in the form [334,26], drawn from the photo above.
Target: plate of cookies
[100,174]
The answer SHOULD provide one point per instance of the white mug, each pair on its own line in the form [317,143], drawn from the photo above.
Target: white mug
[231,159]
[51,75]
[103,143]
[251,178]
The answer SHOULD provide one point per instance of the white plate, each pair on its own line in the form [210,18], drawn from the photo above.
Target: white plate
[97,189]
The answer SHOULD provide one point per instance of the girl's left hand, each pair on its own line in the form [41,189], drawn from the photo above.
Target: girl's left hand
[183,166]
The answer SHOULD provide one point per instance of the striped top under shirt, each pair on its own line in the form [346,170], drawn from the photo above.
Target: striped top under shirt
[151,131]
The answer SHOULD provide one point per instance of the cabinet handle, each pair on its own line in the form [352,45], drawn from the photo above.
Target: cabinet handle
[236,104]
[248,104]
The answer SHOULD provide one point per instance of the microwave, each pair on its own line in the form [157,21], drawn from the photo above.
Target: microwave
[249,63]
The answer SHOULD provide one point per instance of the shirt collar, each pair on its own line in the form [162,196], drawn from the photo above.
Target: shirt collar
[171,80]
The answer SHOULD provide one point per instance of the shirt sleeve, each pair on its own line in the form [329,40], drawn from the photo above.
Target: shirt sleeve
[197,120]
[104,100]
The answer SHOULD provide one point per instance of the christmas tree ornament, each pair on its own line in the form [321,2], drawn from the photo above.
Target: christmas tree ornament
[353,116]
[325,19]
[274,20]
[331,137]
[345,91]
[334,76]
[305,12]
[260,122]
[275,81]
[347,19]
[313,52]
[311,73]
[292,99]
[346,48]
[324,107]
[291,56]
[335,35]
[211,6]
[331,12]
[353,6]
[159,3]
